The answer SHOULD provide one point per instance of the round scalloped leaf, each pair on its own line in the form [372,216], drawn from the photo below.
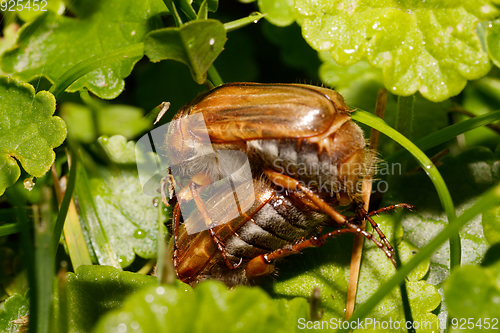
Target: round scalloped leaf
[47,45]
[210,307]
[196,44]
[13,312]
[328,268]
[278,12]
[427,46]
[493,41]
[491,225]
[473,292]
[28,131]
[93,290]
[467,176]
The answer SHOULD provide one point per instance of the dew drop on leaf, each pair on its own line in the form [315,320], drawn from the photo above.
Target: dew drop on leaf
[140,234]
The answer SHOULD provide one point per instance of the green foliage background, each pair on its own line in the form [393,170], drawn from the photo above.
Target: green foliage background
[84,78]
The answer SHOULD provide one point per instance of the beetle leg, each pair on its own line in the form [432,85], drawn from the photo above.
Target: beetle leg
[264,264]
[292,184]
[411,208]
[362,214]
[175,226]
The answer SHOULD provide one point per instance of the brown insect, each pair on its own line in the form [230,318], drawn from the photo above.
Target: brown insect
[307,159]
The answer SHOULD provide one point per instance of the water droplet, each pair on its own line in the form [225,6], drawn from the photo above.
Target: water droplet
[133,32]
[140,234]
[160,290]
[29,183]
[155,202]
[150,298]
[212,41]
[134,325]
[349,51]
[163,310]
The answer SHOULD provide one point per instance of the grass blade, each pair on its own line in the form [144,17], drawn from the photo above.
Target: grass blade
[488,200]
[429,168]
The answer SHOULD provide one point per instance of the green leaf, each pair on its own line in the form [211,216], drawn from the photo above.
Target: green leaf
[210,307]
[15,307]
[359,84]
[467,176]
[28,131]
[328,268]
[493,41]
[491,222]
[12,276]
[279,12]
[196,44]
[127,215]
[212,4]
[346,79]
[46,47]
[491,225]
[93,290]
[85,123]
[473,292]
[431,46]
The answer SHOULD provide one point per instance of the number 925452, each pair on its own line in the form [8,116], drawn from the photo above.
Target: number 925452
[471,323]
[20,5]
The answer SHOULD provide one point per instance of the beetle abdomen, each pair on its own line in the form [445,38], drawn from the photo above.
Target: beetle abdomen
[277,223]
[333,163]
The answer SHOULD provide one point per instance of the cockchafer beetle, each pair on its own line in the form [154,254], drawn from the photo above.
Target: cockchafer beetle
[306,158]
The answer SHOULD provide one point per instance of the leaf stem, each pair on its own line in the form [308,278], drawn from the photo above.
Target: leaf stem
[214,76]
[487,201]
[240,23]
[93,63]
